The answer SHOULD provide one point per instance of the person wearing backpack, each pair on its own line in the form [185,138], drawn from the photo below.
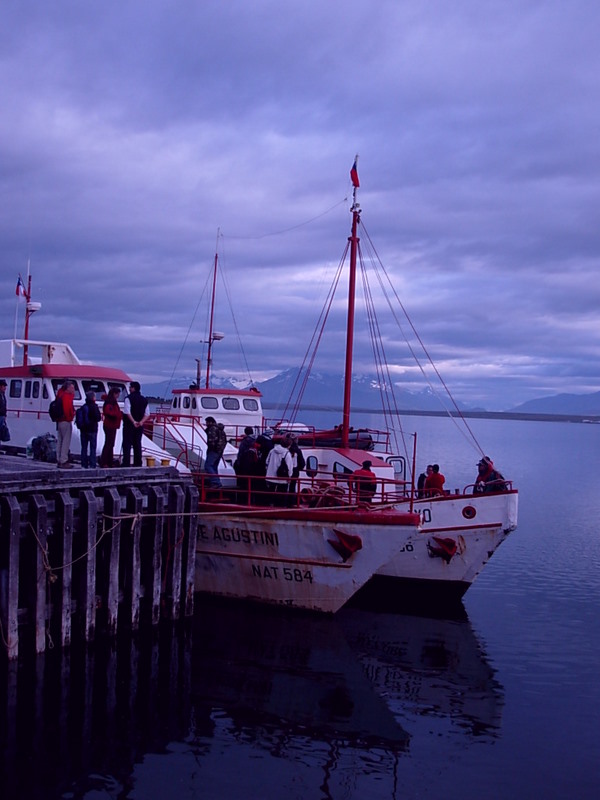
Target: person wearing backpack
[64,424]
[216,441]
[87,419]
[280,466]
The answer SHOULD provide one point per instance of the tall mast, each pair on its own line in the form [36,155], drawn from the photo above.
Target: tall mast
[212,315]
[29,310]
[354,240]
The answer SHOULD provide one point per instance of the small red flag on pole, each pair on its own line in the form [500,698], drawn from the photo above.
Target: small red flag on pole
[354,174]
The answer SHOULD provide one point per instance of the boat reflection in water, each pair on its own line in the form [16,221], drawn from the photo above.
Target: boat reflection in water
[252,702]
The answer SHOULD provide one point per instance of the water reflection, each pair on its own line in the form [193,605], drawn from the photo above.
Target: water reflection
[248,702]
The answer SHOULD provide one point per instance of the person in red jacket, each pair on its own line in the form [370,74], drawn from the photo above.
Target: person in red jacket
[434,483]
[64,425]
[112,415]
[364,483]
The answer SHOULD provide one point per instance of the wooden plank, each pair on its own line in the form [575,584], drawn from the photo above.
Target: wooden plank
[156,507]
[65,511]
[10,511]
[135,506]
[176,506]
[191,524]
[88,528]
[38,520]
[112,510]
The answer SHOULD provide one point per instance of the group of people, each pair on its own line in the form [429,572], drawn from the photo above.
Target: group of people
[489,479]
[267,470]
[88,418]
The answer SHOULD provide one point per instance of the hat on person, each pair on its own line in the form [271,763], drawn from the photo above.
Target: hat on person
[367,464]
[486,461]
[3,382]
[210,419]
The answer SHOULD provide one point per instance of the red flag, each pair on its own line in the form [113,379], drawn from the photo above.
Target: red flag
[20,290]
[354,174]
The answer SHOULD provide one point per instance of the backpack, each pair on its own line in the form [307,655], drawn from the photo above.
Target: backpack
[55,409]
[81,418]
[283,470]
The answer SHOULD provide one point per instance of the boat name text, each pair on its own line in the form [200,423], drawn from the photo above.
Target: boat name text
[237,535]
[295,575]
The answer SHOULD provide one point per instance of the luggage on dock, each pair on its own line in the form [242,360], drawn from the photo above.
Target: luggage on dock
[44,448]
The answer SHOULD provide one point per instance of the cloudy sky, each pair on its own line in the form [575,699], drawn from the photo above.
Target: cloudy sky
[139,137]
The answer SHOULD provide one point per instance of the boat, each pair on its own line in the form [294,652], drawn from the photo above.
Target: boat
[457,534]
[34,371]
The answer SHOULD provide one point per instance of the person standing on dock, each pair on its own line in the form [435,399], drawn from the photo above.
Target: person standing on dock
[87,418]
[4,433]
[135,414]
[113,415]
[64,425]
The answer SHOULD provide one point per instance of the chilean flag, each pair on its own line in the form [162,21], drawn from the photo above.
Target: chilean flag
[20,290]
[354,174]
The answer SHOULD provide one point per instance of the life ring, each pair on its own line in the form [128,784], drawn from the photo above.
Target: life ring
[469,512]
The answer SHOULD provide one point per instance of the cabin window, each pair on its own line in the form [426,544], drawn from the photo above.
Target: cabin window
[116,385]
[186,402]
[95,386]
[16,387]
[340,469]
[209,402]
[27,389]
[35,389]
[312,466]
[231,403]
[45,393]
[194,403]
[250,404]
[175,402]
[57,383]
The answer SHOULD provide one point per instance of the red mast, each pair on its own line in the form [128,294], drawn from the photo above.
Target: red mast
[29,310]
[354,240]
[212,316]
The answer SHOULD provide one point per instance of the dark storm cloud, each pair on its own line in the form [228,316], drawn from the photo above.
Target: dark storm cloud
[132,132]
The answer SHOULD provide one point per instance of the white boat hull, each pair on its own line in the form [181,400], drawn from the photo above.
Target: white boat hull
[294,558]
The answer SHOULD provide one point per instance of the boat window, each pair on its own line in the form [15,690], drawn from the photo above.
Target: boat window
[175,402]
[312,466]
[340,469]
[117,385]
[57,383]
[16,387]
[194,403]
[250,404]
[27,388]
[45,393]
[186,402]
[231,403]
[95,386]
[36,389]
[209,402]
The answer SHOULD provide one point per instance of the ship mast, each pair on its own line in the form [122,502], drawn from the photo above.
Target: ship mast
[354,240]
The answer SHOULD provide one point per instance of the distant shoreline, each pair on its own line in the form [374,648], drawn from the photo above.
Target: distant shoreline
[588,418]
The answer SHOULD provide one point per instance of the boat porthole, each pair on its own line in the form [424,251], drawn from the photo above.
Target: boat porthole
[469,512]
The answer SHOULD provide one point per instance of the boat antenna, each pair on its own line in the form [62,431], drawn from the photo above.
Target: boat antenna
[212,313]
[354,240]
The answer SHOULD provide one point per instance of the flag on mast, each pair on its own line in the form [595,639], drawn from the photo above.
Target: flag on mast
[20,290]
[354,174]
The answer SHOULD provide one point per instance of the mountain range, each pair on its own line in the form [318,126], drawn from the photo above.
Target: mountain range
[325,390]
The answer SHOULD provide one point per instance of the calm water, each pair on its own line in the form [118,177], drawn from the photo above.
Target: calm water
[501,702]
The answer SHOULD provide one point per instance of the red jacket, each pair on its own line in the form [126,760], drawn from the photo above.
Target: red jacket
[434,483]
[68,414]
[112,416]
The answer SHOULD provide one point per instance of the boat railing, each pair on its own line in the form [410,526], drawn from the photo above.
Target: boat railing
[500,486]
[316,490]
[165,432]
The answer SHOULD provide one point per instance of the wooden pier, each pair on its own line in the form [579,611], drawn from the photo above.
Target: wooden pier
[85,551]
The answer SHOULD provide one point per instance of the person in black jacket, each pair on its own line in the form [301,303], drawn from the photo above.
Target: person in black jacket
[87,418]
[135,413]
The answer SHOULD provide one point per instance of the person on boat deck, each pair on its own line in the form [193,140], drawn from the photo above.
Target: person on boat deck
[421,481]
[135,414]
[4,437]
[216,440]
[277,484]
[298,461]
[246,463]
[488,478]
[64,426]
[434,483]
[88,430]
[364,483]
[113,415]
